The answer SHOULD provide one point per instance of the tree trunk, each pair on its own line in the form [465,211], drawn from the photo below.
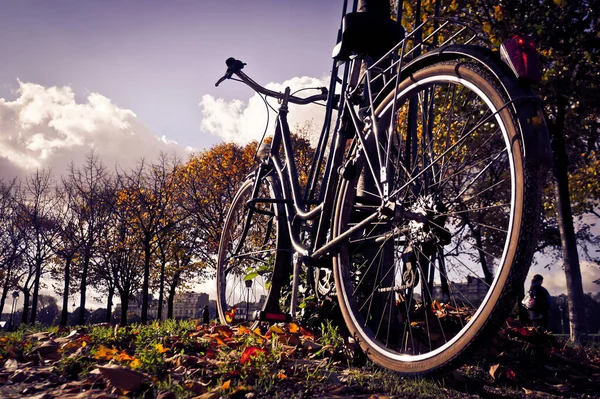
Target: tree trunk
[124,309]
[83,288]
[109,303]
[4,295]
[36,290]
[171,299]
[565,224]
[146,283]
[161,292]
[26,295]
[64,315]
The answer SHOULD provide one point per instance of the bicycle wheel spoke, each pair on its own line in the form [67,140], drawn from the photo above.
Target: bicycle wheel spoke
[411,287]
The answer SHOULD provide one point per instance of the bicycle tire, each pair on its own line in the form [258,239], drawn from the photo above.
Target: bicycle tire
[261,260]
[401,284]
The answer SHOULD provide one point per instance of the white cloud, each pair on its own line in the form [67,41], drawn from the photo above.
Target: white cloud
[47,127]
[243,122]
[555,280]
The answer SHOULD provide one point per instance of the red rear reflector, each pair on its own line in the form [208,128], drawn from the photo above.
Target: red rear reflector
[272,316]
[520,54]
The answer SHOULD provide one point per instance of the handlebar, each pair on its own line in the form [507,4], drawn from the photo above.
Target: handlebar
[234,67]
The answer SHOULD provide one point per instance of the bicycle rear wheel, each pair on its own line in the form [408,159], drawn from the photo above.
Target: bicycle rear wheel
[416,294]
[254,254]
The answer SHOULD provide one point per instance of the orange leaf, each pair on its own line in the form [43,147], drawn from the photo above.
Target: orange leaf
[242,330]
[104,353]
[307,334]
[160,348]
[293,328]
[226,384]
[249,353]
[125,357]
[281,375]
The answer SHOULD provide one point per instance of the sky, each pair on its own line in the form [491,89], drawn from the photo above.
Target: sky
[131,78]
[147,69]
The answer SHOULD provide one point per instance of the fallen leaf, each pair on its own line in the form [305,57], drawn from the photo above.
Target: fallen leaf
[11,365]
[293,328]
[208,395]
[494,370]
[104,353]
[196,387]
[242,330]
[226,385]
[160,348]
[276,329]
[510,374]
[122,377]
[249,353]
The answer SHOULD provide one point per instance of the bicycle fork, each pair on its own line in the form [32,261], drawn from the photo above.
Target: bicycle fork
[297,261]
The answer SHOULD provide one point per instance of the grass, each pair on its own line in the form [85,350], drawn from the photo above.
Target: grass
[174,352]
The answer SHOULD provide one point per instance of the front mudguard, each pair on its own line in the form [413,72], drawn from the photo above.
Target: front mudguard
[527,108]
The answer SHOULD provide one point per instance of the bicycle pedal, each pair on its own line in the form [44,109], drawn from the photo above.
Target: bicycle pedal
[274,317]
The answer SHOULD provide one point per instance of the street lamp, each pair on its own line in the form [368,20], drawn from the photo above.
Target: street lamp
[15,296]
[249,286]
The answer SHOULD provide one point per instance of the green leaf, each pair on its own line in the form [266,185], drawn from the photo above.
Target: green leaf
[251,276]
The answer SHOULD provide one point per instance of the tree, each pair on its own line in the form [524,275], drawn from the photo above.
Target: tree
[48,309]
[37,205]
[86,186]
[11,240]
[120,249]
[566,34]
[149,196]
[66,247]
[210,180]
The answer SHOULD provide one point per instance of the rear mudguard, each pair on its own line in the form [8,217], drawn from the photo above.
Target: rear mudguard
[526,106]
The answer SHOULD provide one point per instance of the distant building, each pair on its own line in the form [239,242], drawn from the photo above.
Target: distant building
[470,292]
[189,305]
[185,306]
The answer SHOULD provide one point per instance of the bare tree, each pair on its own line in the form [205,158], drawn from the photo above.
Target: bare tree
[11,240]
[36,207]
[67,246]
[86,186]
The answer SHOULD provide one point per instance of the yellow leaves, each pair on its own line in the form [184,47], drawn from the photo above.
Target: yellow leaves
[276,329]
[498,13]
[160,348]
[104,353]
[487,27]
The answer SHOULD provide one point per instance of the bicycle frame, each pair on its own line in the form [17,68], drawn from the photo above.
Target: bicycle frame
[384,73]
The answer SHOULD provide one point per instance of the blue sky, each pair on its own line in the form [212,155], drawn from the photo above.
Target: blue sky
[159,58]
[116,74]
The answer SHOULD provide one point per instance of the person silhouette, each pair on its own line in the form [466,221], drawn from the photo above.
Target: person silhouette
[538,314]
[206,316]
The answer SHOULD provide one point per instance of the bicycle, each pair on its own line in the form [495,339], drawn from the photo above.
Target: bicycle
[424,209]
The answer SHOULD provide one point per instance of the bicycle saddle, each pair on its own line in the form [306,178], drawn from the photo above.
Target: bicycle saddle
[368,34]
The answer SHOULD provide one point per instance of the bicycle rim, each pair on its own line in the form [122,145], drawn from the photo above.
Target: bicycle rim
[252,255]
[417,293]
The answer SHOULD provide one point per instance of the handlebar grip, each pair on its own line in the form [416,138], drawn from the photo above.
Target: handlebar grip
[234,65]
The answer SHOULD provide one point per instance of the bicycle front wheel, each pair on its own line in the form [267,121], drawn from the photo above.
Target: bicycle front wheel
[254,256]
[451,229]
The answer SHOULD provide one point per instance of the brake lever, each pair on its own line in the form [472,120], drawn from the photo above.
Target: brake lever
[225,77]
